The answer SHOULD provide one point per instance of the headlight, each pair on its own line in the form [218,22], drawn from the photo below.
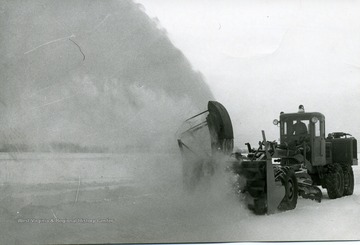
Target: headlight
[276,122]
[314,119]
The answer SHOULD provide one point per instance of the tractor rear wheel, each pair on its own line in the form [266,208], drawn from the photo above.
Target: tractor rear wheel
[334,181]
[348,180]
[289,181]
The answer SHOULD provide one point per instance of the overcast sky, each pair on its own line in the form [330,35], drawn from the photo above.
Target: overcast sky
[263,57]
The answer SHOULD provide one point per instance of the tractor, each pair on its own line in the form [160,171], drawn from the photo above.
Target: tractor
[274,174]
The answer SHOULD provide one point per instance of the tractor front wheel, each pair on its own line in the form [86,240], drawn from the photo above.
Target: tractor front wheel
[334,181]
[348,180]
[289,181]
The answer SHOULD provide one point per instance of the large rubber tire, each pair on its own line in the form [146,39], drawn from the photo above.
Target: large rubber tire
[334,181]
[348,180]
[289,181]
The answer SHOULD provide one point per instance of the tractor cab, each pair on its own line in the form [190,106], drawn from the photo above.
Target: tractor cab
[305,131]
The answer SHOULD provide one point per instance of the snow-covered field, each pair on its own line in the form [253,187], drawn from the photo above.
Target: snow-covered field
[98,198]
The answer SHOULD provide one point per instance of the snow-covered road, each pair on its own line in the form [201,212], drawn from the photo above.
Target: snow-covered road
[146,204]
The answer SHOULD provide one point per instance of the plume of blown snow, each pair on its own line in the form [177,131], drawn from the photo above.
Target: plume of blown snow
[92,73]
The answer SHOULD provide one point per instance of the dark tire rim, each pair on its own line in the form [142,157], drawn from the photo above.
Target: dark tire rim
[290,189]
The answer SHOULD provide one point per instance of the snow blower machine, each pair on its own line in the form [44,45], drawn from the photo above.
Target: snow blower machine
[273,175]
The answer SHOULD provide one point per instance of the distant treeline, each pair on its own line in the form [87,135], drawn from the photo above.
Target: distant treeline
[65,147]
[52,147]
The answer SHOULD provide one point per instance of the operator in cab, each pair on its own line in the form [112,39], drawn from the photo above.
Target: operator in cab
[299,128]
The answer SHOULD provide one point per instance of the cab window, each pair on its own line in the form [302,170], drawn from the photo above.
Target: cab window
[299,127]
[317,129]
[285,128]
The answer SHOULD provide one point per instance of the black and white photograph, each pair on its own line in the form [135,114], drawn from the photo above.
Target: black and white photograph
[168,121]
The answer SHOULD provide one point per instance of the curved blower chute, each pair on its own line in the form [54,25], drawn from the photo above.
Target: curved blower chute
[220,128]
[204,136]
[219,125]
